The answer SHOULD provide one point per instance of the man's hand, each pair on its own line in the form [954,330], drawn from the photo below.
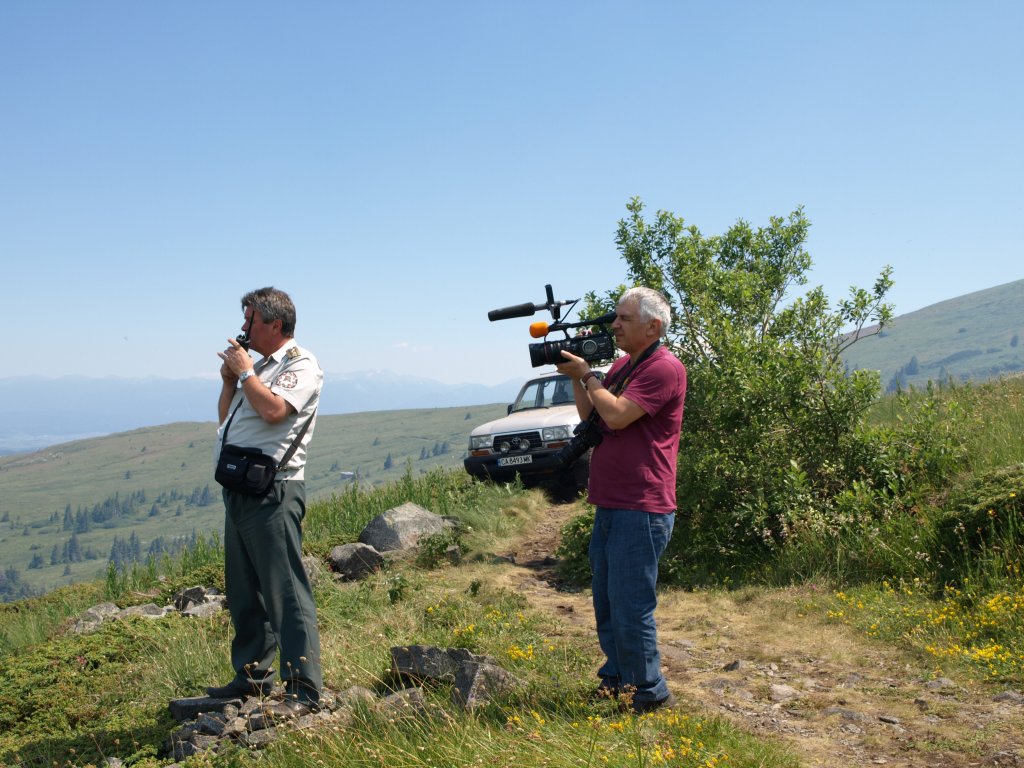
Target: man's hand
[228,376]
[574,367]
[236,359]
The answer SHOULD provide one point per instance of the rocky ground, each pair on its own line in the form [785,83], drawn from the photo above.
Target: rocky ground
[771,663]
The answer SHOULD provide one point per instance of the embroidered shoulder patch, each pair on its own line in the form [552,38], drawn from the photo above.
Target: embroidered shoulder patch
[287,380]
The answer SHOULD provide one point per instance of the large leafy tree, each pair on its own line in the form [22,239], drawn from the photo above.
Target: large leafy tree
[770,433]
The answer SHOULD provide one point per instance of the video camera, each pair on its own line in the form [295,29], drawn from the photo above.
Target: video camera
[592,347]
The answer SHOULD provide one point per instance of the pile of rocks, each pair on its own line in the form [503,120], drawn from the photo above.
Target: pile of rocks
[209,724]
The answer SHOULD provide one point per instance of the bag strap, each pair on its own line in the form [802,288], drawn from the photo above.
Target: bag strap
[295,443]
[291,449]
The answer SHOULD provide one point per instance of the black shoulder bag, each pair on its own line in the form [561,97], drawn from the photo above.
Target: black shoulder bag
[249,471]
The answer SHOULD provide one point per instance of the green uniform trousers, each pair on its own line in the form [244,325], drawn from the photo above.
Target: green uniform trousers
[268,591]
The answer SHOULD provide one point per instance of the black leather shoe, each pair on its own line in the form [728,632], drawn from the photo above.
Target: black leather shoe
[640,707]
[288,709]
[240,689]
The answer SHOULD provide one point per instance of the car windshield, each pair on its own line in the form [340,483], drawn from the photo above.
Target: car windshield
[544,393]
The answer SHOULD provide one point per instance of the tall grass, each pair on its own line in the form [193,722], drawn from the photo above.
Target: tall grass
[962,605]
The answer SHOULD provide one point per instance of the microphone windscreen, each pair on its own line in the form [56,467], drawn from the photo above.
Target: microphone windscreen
[539,330]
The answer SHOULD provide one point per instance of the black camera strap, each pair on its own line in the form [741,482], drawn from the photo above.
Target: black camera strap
[627,372]
[623,376]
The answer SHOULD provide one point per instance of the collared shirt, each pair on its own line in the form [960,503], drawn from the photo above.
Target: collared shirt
[294,374]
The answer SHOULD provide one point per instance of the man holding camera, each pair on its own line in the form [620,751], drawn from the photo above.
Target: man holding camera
[269,407]
[639,410]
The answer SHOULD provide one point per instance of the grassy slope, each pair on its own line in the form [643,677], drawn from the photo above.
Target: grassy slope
[968,337]
[178,457]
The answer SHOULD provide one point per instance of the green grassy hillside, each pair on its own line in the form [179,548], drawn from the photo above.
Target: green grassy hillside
[158,482]
[971,337]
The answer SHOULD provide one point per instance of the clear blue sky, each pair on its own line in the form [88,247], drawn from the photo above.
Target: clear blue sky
[403,167]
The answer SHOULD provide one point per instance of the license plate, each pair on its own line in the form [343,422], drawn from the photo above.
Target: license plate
[511,461]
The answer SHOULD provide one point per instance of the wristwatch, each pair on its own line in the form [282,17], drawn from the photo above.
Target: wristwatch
[245,375]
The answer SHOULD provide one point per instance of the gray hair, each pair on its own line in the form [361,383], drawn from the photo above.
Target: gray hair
[272,305]
[651,305]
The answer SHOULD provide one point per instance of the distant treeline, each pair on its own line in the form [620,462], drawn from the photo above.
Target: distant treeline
[118,510]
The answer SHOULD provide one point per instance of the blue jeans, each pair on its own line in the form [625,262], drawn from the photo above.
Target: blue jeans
[625,546]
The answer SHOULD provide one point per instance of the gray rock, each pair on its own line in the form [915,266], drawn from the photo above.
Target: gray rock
[719,684]
[185,598]
[205,610]
[91,618]
[148,611]
[257,739]
[192,707]
[210,724]
[182,750]
[409,701]
[234,727]
[401,528]
[314,568]
[427,662]
[779,692]
[1009,697]
[355,561]
[479,683]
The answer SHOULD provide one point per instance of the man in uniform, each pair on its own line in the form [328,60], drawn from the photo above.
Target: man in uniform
[633,487]
[270,406]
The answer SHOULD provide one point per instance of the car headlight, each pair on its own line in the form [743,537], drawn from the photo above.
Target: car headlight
[551,434]
[477,442]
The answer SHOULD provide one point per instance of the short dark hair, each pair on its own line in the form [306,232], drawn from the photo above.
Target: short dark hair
[272,305]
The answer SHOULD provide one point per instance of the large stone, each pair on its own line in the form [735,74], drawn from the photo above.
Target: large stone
[479,683]
[148,611]
[186,598]
[428,662]
[355,561]
[205,610]
[91,618]
[401,528]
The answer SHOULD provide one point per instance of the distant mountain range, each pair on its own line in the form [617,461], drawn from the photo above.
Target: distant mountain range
[38,411]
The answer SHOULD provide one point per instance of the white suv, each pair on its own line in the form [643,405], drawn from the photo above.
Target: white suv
[525,442]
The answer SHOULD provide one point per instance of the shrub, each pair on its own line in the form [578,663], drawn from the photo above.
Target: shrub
[771,417]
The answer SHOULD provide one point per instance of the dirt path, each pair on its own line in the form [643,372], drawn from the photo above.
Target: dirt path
[771,664]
